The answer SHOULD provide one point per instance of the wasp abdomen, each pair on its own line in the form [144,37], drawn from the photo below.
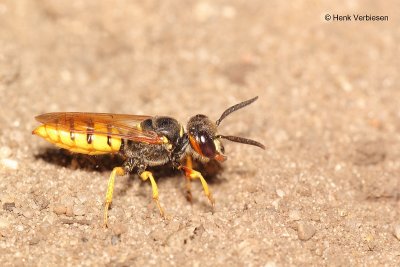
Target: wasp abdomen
[81,142]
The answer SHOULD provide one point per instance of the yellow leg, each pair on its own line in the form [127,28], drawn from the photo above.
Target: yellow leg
[110,189]
[197,175]
[148,175]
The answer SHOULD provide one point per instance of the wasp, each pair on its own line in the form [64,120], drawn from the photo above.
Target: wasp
[142,141]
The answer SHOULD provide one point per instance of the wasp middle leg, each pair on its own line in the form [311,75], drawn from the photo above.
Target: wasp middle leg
[148,175]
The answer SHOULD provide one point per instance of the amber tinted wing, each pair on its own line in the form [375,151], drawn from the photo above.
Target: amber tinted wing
[117,125]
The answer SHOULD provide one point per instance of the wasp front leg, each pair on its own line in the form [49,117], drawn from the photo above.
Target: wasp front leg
[191,175]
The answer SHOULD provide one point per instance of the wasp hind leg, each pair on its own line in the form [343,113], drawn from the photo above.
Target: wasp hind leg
[145,175]
[117,171]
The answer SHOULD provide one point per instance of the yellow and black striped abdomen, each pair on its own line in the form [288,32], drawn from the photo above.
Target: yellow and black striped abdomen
[85,143]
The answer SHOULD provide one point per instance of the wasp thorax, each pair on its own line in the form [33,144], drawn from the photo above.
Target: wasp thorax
[165,126]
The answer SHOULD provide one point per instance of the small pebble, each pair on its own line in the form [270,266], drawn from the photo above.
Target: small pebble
[82,196]
[51,218]
[338,167]
[44,228]
[228,12]
[396,231]
[280,193]
[294,215]
[67,201]
[305,231]
[270,264]
[9,163]
[248,247]
[159,234]
[69,212]
[342,212]
[19,228]
[6,198]
[59,209]
[371,243]
[79,210]
[204,10]
[174,226]
[28,214]
[4,223]
[5,152]
[115,239]
[34,240]
[275,204]
[304,191]
[9,206]
[41,201]
[199,230]
[119,228]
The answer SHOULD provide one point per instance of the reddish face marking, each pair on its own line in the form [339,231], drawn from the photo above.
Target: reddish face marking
[220,157]
[195,145]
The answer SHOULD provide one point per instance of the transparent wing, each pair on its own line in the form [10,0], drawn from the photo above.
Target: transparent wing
[115,125]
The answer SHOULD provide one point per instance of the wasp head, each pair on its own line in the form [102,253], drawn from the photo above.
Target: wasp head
[204,139]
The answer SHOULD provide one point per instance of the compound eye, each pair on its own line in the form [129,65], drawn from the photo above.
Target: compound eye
[206,144]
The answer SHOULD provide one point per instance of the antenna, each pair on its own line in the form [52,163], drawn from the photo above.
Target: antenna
[234,108]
